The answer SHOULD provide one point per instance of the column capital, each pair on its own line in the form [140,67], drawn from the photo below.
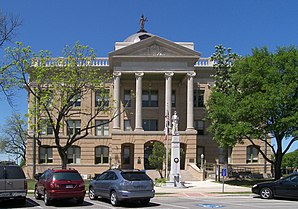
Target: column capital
[117,74]
[191,74]
[169,74]
[139,74]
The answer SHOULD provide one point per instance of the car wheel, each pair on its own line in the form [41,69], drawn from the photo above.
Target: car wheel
[47,200]
[145,201]
[114,199]
[91,194]
[80,200]
[266,193]
[36,194]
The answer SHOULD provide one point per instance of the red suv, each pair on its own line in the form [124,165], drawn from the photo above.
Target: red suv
[59,184]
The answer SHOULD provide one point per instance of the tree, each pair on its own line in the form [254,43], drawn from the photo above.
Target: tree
[290,160]
[158,157]
[56,87]
[8,26]
[14,138]
[262,100]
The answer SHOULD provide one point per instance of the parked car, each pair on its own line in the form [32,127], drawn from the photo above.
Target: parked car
[59,184]
[286,187]
[13,184]
[119,185]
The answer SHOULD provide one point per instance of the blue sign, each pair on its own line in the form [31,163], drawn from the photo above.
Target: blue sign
[224,172]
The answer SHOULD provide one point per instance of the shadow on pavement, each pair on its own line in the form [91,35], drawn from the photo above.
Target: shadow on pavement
[131,204]
[16,204]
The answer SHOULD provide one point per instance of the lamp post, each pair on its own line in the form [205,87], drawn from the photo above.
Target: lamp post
[202,161]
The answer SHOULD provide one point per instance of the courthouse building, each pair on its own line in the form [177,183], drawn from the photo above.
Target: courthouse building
[164,76]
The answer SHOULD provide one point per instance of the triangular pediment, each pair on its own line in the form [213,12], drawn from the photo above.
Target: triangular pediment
[153,47]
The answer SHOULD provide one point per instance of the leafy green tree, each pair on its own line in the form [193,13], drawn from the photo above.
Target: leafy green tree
[290,160]
[14,137]
[56,86]
[260,100]
[158,157]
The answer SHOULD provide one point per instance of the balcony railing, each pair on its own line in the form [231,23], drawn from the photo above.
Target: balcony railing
[103,61]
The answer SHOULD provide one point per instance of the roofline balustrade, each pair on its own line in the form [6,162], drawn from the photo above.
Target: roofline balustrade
[102,61]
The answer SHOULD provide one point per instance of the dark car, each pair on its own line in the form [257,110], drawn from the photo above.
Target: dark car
[59,184]
[13,184]
[119,185]
[286,187]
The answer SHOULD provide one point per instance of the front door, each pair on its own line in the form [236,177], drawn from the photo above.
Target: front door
[127,157]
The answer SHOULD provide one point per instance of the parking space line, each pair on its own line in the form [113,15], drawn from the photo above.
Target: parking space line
[174,206]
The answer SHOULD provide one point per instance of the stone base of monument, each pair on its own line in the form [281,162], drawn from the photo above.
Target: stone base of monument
[174,184]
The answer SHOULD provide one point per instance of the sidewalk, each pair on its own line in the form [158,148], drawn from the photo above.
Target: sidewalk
[200,188]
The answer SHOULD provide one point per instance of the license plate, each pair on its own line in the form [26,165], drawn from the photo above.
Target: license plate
[69,186]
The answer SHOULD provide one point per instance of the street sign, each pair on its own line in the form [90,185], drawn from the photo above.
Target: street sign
[224,172]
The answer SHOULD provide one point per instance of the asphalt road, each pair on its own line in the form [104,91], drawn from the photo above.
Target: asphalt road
[170,202]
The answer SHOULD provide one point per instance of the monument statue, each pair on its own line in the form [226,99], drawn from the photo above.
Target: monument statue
[175,120]
[142,23]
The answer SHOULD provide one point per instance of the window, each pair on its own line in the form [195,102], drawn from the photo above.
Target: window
[46,128]
[127,98]
[198,98]
[101,155]
[150,125]
[102,128]
[252,154]
[150,98]
[102,98]
[173,98]
[76,103]
[74,154]
[74,126]
[199,126]
[45,155]
[127,126]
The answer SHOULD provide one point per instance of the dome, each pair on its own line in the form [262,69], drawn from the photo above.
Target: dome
[138,37]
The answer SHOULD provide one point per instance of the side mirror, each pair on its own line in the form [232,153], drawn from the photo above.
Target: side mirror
[37,176]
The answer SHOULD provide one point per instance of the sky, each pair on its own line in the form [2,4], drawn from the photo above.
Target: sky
[240,25]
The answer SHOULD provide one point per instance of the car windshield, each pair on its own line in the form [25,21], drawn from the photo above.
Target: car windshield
[135,176]
[67,176]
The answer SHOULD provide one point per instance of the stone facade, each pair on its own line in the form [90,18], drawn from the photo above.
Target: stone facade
[175,78]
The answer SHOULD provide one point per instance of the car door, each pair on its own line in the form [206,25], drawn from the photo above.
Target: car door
[287,187]
[40,185]
[98,184]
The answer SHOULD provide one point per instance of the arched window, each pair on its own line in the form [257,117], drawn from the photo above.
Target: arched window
[74,155]
[252,154]
[101,154]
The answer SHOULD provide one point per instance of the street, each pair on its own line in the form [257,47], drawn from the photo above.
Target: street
[170,202]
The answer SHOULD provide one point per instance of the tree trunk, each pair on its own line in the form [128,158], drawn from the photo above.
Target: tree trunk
[63,157]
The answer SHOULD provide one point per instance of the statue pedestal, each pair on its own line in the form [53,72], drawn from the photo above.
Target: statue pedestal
[175,175]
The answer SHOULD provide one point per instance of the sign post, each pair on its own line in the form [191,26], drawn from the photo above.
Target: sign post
[223,174]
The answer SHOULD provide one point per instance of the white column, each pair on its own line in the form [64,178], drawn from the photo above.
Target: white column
[168,95]
[190,117]
[138,119]
[116,121]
